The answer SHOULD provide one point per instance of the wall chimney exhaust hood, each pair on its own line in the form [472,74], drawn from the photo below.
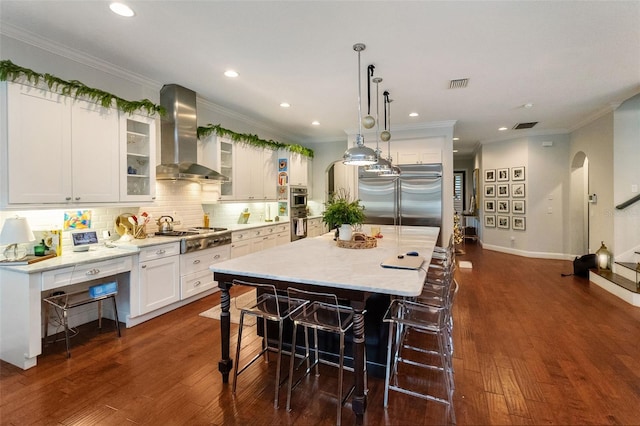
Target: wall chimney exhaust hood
[179,138]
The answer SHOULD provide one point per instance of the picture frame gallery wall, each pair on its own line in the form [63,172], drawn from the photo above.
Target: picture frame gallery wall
[505,198]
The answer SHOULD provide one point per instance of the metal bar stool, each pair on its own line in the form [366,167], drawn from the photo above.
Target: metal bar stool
[268,306]
[64,301]
[405,317]
[322,312]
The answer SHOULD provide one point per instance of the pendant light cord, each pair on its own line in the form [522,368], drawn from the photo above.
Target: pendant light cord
[370,69]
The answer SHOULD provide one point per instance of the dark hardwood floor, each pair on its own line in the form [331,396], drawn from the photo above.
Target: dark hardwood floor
[531,347]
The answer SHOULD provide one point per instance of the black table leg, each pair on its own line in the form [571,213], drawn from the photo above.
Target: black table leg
[225,364]
[359,403]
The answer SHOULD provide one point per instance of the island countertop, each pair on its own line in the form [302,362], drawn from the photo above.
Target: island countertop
[319,261]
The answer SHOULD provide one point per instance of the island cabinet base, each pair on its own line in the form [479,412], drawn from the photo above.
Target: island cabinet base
[375,330]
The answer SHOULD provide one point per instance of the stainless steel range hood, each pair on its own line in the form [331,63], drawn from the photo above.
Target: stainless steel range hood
[179,138]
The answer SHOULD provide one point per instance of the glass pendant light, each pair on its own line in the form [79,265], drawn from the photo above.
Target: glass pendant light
[381,165]
[359,155]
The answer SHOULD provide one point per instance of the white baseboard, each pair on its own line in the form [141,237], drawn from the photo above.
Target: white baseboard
[523,253]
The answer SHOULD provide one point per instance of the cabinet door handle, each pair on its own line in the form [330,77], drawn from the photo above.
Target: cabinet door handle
[217,256]
[143,266]
[68,198]
[77,198]
[195,262]
[197,283]
[240,236]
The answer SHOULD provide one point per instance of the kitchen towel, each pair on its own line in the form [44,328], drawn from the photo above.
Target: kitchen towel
[300,228]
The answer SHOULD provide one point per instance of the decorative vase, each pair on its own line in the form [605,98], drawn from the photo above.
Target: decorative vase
[345,232]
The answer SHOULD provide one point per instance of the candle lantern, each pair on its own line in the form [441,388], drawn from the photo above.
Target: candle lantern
[604,257]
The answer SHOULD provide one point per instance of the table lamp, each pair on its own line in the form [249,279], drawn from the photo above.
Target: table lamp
[15,231]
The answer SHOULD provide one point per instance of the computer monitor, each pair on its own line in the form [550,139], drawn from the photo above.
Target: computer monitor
[83,240]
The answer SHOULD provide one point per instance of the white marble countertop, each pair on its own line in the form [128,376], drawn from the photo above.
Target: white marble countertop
[319,261]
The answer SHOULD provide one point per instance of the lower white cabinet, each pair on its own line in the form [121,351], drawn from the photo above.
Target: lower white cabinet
[159,276]
[315,227]
[195,275]
[260,238]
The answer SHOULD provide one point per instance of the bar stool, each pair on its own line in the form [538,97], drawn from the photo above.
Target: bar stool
[322,312]
[268,306]
[405,317]
[63,302]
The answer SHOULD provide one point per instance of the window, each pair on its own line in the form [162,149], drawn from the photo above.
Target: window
[458,191]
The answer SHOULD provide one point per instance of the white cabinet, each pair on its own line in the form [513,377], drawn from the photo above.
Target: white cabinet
[59,150]
[315,227]
[419,157]
[255,173]
[137,157]
[260,238]
[195,275]
[298,173]
[226,167]
[159,276]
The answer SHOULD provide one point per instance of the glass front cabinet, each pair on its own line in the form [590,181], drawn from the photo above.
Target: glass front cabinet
[138,146]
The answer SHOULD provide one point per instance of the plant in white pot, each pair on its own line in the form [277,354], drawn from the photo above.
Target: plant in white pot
[344,213]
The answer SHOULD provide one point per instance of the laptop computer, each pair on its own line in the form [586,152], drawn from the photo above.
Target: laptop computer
[403,262]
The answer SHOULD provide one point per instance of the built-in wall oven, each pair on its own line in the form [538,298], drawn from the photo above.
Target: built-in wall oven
[298,197]
[298,212]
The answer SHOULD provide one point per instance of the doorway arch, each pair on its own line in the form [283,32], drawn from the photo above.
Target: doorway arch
[579,205]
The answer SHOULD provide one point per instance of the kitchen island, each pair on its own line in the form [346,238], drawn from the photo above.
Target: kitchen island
[319,264]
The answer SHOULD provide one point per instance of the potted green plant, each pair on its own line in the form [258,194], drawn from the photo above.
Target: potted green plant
[342,212]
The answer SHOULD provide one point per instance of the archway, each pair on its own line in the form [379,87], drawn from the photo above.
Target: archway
[578,205]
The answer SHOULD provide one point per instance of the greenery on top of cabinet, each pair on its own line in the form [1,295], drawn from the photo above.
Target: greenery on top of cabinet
[11,72]
[250,139]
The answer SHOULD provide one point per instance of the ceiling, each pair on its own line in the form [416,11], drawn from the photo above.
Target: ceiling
[572,61]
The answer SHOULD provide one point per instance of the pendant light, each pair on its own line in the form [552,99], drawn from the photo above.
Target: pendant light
[386,136]
[368,121]
[359,155]
[382,164]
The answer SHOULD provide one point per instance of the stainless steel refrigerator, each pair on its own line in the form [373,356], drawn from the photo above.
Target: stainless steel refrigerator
[414,198]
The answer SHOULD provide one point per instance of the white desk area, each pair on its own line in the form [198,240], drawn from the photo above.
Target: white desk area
[21,289]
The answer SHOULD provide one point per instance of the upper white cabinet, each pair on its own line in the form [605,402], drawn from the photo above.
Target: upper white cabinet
[298,173]
[419,157]
[59,150]
[137,157]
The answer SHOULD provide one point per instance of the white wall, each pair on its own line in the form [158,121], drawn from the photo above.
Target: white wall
[626,173]
[595,140]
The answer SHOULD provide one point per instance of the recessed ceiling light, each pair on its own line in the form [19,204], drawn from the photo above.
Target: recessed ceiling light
[285,104]
[502,128]
[121,9]
[315,123]
[528,105]
[414,114]
[231,73]
[455,150]
[456,139]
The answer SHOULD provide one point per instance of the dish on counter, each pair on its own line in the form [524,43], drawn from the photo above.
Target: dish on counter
[123,225]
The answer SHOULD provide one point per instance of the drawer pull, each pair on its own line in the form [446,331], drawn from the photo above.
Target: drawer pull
[195,262]
[143,266]
[93,271]
[197,283]
[217,256]
[161,251]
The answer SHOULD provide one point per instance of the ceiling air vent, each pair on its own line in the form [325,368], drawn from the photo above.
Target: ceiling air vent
[460,83]
[521,126]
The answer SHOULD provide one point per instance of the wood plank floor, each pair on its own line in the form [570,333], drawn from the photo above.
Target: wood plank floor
[532,347]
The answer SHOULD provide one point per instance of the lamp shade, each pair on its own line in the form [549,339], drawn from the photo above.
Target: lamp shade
[359,155]
[16,230]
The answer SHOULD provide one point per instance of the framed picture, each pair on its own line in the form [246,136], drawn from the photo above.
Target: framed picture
[503,206]
[518,223]
[503,175]
[517,190]
[489,206]
[490,175]
[518,206]
[503,222]
[503,190]
[490,190]
[517,173]
[490,221]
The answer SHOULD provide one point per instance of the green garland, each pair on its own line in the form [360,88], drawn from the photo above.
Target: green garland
[254,140]
[11,72]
